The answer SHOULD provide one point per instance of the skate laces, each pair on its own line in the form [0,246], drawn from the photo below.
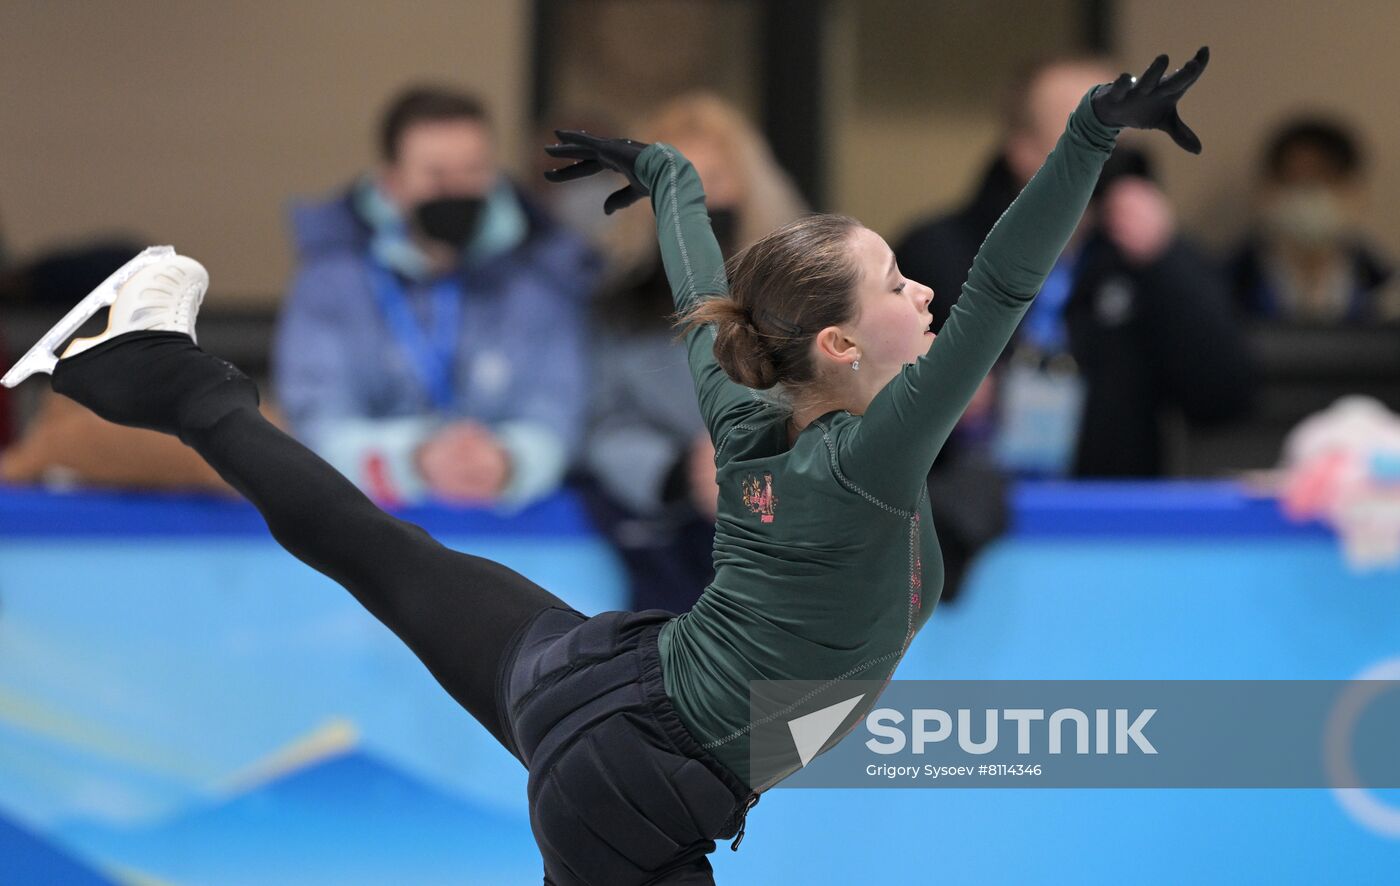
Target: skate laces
[173,307]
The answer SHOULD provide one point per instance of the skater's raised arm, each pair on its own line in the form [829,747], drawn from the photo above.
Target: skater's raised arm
[689,251]
[909,420]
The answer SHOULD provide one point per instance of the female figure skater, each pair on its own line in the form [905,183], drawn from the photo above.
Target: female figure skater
[633,725]
[647,445]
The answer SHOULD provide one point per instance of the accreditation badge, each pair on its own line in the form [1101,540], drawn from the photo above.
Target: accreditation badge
[1040,406]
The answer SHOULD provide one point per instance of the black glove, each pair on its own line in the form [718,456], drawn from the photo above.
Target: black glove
[596,154]
[1150,102]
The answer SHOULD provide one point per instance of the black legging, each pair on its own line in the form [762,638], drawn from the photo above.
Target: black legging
[458,613]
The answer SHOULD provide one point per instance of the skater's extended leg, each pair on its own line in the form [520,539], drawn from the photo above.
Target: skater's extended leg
[457,612]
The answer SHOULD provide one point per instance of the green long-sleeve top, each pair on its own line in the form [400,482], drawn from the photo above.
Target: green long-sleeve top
[826,562]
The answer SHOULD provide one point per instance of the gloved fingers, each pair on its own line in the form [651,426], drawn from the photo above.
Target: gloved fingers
[1120,87]
[1150,78]
[578,137]
[1181,133]
[571,152]
[577,170]
[1181,81]
[622,199]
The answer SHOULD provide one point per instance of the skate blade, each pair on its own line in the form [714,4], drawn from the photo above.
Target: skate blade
[43,357]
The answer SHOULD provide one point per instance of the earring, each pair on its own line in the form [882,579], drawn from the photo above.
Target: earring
[855,366]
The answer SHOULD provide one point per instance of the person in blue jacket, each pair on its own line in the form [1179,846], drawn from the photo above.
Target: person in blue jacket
[431,345]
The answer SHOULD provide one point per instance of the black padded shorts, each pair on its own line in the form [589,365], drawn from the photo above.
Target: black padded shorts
[620,792]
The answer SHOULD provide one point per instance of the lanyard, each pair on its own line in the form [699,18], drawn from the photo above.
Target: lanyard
[432,352]
[1044,326]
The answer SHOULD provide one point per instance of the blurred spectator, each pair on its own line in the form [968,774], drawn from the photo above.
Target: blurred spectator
[1343,465]
[1132,322]
[577,206]
[431,345]
[647,447]
[1306,260]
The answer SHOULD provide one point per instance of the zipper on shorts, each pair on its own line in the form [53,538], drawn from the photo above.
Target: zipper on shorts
[749,803]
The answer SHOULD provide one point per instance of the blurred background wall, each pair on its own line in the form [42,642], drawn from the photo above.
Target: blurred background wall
[1270,60]
[916,91]
[194,123]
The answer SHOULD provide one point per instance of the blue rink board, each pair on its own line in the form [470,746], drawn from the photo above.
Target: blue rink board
[137,673]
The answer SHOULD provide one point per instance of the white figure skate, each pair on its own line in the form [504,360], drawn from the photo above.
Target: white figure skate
[156,290]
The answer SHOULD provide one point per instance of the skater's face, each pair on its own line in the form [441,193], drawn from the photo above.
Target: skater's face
[891,324]
[446,158]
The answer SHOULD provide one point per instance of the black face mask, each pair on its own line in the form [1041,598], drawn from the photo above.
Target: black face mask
[725,224]
[449,220]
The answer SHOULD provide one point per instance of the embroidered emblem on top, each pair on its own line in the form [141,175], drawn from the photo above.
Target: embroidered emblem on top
[759,497]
